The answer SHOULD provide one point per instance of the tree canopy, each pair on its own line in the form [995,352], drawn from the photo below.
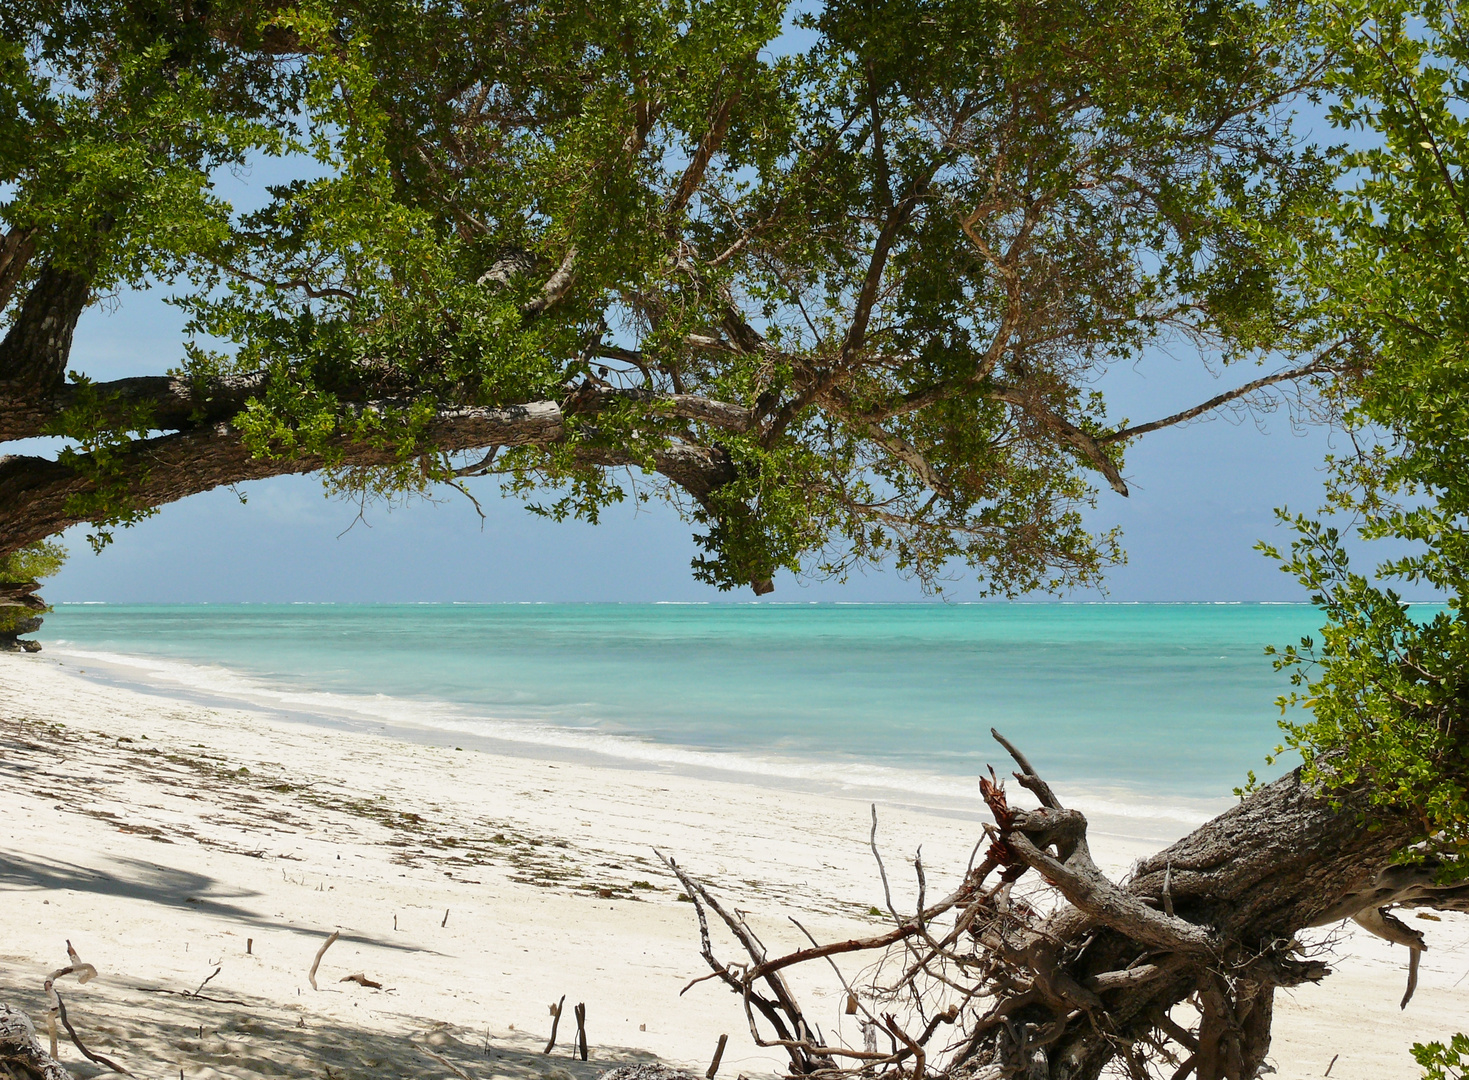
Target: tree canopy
[1386,690]
[838,284]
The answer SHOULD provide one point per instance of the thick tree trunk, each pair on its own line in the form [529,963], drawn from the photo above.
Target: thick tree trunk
[1233,895]
[35,350]
[1249,881]
[20,1052]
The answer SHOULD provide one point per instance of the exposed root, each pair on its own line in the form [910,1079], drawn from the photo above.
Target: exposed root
[983,985]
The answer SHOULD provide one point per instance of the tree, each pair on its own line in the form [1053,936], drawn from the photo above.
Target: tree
[1386,691]
[843,304]
[20,608]
[1375,817]
[840,305]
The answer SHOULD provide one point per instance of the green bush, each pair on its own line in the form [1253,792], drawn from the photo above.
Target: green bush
[1442,1062]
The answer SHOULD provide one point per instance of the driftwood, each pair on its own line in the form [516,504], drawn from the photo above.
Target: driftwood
[77,1042]
[581,1030]
[718,1055]
[646,1071]
[84,973]
[555,1023]
[316,963]
[1083,975]
[21,1054]
[362,980]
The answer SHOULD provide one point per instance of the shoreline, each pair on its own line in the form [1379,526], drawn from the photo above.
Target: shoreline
[1116,809]
[160,835]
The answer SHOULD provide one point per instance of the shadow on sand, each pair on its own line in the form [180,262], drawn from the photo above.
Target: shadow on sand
[134,879]
[160,1036]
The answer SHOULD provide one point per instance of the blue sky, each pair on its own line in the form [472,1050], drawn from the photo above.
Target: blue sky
[1202,495]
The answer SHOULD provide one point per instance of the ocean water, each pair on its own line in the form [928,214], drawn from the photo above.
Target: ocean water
[1122,705]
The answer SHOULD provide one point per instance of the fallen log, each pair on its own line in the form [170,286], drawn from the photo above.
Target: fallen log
[1088,985]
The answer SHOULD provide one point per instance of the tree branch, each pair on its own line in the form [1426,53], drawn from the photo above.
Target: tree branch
[1316,367]
[1089,445]
[556,287]
[34,352]
[693,175]
[41,496]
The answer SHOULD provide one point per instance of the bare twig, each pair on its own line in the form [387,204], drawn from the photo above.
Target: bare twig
[555,1023]
[325,945]
[887,893]
[718,1054]
[205,983]
[446,1063]
[89,1055]
[1413,957]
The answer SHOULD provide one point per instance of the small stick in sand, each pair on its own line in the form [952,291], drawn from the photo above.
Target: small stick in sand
[98,1058]
[442,1060]
[249,946]
[581,1029]
[446,919]
[718,1053]
[205,983]
[83,972]
[325,945]
[555,1023]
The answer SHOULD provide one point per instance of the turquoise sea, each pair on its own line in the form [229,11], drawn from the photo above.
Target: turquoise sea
[1119,703]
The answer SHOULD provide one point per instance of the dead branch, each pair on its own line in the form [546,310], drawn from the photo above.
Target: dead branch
[83,972]
[76,1039]
[445,1062]
[718,1054]
[1029,994]
[21,1055]
[556,1022]
[780,1010]
[207,980]
[1413,957]
[325,945]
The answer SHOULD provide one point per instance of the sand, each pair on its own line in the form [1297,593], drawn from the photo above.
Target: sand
[200,856]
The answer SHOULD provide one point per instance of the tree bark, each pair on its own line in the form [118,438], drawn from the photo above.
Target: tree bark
[1251,879]
[1210,922]
[20,1054]
[1286,858]
[35,350]
[40,495]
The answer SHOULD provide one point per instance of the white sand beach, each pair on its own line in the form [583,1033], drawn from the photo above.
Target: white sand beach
[184,848]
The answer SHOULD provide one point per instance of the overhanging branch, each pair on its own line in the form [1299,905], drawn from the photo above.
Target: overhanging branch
[42,497]
[1316,367]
